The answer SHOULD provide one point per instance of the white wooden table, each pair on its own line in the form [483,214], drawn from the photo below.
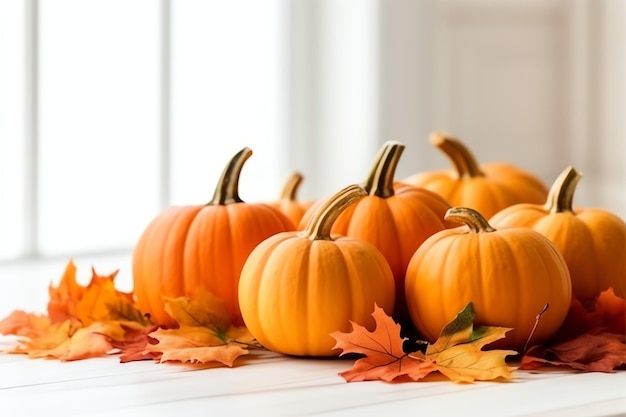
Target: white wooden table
[263,383]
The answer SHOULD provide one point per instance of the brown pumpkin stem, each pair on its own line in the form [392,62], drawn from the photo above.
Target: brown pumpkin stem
[227,190]
[321,222]
[290,189]
[470,217]
[464,162]
[561,195]
[380,179]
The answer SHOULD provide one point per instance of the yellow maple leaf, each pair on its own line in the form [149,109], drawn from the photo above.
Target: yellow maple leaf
[458,352]
[205,334]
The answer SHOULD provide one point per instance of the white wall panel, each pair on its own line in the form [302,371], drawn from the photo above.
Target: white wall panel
[99,107]
[12,113]
[227,92]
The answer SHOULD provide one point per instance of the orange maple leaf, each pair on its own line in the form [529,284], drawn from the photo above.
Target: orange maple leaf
[82,321]
[63,297]
[21,323]
[205,333]
[384,357]
[457,353]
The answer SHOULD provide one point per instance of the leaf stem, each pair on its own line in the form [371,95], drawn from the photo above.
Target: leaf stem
[532,332]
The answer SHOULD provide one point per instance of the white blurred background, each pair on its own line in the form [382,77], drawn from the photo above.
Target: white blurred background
[111,110]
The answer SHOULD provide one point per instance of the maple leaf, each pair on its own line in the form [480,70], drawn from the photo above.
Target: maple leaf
[384,357]
[457,353]
[591,338]
[63,297]
[82,321]
[132,346]
[458,350]
[21,323]
[204,335]
[607,312]
[595,351]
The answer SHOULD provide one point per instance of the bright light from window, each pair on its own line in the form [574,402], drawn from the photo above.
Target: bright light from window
[227,79]
[12,59]
[99,108]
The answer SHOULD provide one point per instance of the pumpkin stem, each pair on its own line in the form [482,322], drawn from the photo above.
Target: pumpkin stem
[380,179]
[561,195]
[463,160]
[321,222]
[291,187]
[227,190]
[470,217]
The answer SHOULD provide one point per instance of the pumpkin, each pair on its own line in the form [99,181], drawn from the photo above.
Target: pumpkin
[592,240]
[188,247]
[509,274]
[487,188]
[287,203]
[298,287]
[394,217]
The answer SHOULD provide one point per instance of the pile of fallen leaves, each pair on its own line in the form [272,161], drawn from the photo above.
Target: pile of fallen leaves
[97,320]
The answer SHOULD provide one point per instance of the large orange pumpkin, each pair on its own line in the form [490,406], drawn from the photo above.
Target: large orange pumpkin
[508,274]
[592,240]
[288,202]
[298,287]
[487,188]
[188,247]
[394,217]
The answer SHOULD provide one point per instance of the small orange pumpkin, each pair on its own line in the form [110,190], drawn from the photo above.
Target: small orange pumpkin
[487,188]
[509,274]
[288,203]
[394,217]
[188,247]
[298,287]
[592,240]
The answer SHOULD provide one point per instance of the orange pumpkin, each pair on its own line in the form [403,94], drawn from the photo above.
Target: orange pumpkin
[487,188]
[592,240]
[188,247]
[509,274]
[394,217]
[298,287]
[288,204]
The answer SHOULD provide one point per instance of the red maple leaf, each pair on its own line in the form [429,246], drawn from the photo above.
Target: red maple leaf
[592,338]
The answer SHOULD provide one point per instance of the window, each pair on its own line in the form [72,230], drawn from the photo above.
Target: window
[111,110]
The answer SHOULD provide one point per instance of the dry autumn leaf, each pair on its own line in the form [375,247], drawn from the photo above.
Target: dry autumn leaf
[608,312]
[457,353]
[592,338]
[383,358]
[458,350]
[205,334]
[82,321]
[594,352]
